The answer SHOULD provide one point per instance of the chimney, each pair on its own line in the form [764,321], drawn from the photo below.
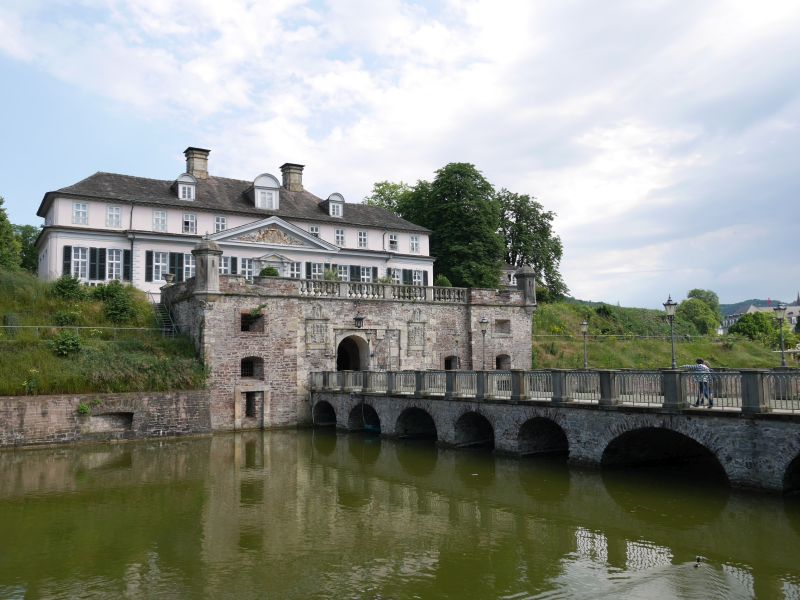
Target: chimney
[292,177]
[197,162]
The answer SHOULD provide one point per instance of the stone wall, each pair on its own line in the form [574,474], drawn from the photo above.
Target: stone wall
[37,420]
[298,333]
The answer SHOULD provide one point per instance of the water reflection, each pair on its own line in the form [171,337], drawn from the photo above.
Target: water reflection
[302,514]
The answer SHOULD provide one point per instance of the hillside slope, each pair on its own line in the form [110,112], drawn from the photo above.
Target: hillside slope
[51,345]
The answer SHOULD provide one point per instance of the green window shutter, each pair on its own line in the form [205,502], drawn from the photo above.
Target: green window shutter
[408,277]
[92,263]
[101,263]
[308,270]
[425,278]
[148,265]
[127,265]
[234,266]
[374,274]
[67,265]
[355,273]
[179,267]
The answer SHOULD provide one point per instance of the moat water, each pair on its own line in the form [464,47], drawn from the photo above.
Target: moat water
[316,514]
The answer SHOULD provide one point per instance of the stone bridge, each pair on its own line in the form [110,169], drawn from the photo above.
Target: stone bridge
[753,437]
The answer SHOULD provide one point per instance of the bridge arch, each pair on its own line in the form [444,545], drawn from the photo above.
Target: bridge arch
[324,414]
[540,435]
[415,422]
[473,429]
[651,445]
[791,477]
[364,417]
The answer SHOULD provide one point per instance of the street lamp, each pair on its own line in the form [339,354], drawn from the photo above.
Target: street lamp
[484,326]
[669,307]
[780,314]
[584,331]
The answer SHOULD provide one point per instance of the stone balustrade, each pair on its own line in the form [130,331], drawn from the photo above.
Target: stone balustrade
[378,291]
[748,391]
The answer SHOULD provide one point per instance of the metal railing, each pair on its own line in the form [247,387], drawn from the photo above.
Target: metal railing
[640,387]
[767,391]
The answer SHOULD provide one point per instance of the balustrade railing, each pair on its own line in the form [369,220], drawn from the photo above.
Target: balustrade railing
[776,391]
[583,386]
[379,291]
[640,387]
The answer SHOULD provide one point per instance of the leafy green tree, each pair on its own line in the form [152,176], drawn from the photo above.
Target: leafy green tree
[699,314]
[9,245]
[708,297]
[759,326]
[529,238]
[460,209]
[388,195]
[26,237]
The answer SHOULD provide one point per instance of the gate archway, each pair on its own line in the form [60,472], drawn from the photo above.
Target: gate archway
[352,354]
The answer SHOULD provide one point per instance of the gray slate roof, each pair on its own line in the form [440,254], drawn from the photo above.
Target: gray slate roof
[224,195]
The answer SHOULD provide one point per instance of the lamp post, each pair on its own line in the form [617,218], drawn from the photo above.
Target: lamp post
[780,315]
[584,331]
[484,326]
[669,307]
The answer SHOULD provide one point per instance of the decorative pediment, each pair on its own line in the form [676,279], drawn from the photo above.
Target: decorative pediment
[269,235]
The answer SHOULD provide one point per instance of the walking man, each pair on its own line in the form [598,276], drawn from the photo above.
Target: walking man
[701,377]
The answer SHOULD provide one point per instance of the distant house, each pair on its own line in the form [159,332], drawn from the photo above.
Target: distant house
[111,226]
[792,314]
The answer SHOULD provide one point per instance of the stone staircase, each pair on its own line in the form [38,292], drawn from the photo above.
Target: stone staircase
[163,318]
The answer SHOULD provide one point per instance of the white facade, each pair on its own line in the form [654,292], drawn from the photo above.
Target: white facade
[134,236]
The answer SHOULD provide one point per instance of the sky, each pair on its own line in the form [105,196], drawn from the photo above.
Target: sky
[665,135]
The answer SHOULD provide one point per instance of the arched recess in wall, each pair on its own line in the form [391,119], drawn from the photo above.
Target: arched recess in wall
[502,362]
[352,354]
[451,363]
[791,478]
[324,414]
[417,424]
[474,430]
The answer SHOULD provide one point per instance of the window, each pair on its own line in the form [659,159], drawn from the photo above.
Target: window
[339,237]
[295,270]
[188,266]
[251,399]
[80,213]
[113,264]
[80,263]
[220,224]
[186,192]
[502,326]
[416,277]
[113,216]
[396,276]
[366,274]
[246,268]
[362,239]
[336,209]
[252,320]
[266,199]
[189,223]
[393,242]
[316,270]
[225,265]
[413,245]
[159,220]
[314,230]
[252,366]
[160,265]
[344,272]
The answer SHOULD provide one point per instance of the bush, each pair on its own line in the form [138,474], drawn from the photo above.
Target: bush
[83,409]
[330,275]
[66,343]
[442,281]
[68,288]
[269,272]
[67,317]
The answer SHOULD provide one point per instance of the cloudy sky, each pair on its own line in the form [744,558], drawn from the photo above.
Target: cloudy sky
[664,134]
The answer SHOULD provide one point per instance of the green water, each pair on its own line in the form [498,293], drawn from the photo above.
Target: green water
[320,515]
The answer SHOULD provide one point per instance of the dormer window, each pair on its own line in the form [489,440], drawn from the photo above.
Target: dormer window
[185,187]
[335,205]
[265,192]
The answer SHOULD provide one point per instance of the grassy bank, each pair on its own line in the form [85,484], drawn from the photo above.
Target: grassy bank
[635,338]
[79,345]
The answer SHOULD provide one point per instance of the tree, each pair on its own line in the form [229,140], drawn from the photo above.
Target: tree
[757,326]
[460,209]
[388,195]
[699,314]
[26,237]
[9,246]
[529,239]
[708,297]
